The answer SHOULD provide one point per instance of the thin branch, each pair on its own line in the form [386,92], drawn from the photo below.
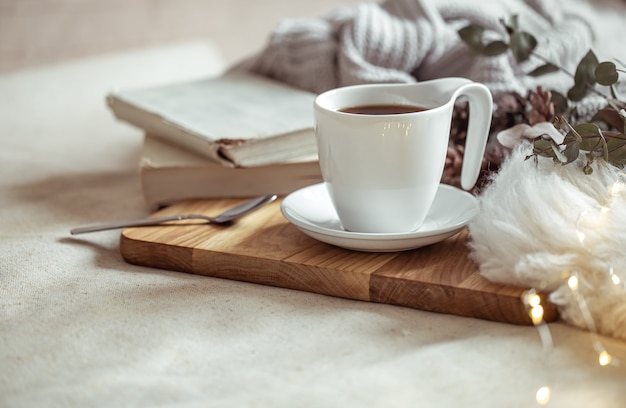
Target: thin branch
[565,71]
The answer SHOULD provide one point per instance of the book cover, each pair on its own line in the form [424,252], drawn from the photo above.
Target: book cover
[170,174]
[237,119]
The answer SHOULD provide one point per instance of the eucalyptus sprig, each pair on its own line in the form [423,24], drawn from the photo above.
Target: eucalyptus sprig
[522,44]
[588,138]
[605,137]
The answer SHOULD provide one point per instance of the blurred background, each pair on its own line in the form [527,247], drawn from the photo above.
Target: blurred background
[36,32]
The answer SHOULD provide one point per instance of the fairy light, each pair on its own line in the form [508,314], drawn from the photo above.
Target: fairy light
[572,282]
[533,301]
[604,358]
[536,312]
[543,395]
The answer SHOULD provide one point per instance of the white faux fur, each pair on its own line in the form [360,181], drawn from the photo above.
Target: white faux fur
[526,234]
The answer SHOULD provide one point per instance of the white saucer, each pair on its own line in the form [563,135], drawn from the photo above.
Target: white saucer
[311,210]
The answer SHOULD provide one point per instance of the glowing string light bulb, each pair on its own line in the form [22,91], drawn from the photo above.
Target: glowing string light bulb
[536,314]
[543,395]
[604,358]
[616,280]
[572,282]
[533,299]
[535,310]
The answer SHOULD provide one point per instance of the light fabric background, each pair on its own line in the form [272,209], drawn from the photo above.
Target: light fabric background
[80,327]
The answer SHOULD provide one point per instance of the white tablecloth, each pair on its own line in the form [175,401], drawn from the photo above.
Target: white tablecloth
[79,327]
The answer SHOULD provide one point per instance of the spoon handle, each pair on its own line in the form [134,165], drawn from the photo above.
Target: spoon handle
[124,224]
[228,215]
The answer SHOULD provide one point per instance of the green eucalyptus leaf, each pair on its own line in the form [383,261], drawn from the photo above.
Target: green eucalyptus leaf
[616,146]
[472,35]
[495,48]
[543,70]
[591,137]
[585,71]
[588,129]
[543,147]
[606,73]
[577,93]
[576,136]
[571,152]
[583,77]
[522,45]
[592,144]
[560,102]
[570,138]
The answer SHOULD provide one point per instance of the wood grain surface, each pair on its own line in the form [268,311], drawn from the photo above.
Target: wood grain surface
[264,248]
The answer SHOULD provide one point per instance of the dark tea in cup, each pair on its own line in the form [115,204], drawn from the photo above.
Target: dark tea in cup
[382,109]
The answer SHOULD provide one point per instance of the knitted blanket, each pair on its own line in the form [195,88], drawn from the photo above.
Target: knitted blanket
[414,40]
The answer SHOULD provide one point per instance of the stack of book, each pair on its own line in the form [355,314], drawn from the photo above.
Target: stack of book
[237,135]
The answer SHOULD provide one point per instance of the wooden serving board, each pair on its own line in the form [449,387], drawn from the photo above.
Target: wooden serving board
[265,248]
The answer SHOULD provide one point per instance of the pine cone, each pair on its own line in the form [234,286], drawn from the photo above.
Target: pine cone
[541,107]
[454,161]
[456,145]
[458,128]
[510,109]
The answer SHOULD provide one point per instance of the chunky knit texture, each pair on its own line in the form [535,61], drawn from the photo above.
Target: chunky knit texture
[413,40]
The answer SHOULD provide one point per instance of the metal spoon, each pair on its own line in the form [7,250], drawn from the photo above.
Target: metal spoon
[228,215]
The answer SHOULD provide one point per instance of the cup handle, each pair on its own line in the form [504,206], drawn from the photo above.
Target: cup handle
[480,111]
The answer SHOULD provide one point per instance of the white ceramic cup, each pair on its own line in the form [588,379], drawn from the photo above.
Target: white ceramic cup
[382,171]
